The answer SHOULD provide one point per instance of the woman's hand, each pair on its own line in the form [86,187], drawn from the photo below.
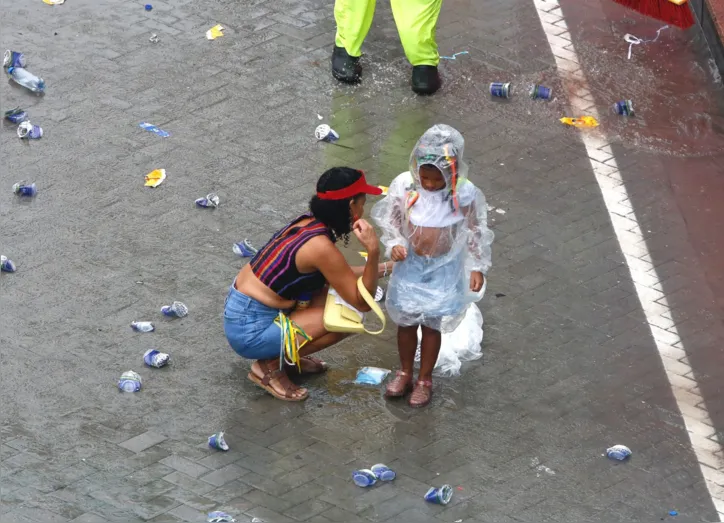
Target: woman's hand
[476,281]
[366,236]
[398,254]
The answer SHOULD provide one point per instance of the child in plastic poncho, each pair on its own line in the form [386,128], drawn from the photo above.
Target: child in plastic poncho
[434,225]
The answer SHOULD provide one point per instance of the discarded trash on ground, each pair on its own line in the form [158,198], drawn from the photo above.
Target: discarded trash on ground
[29,131]
[540,92]
[439,496]
[618,452]
[624,108]
[324,133]
[371,376]
[219,517]
[152,128]
[453,57]
[635,40]
[26,79]
[215,32]
[384,189]
[154,39]
[129,381]
[142,326]
[175,310]
[21,189]
[13,59]
[244,249]
[500,211]
[217,441]
[383,472]
[155,178]
[54,2]
[211,200]
[16,115]
[364,478]
[154,358]
[148,7]
[7,265]
[583,121]
[499,295]
[673,513]
[500,89]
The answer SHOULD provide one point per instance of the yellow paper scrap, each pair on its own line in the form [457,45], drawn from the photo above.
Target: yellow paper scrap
[53,2]
[363,254]
[583,121]
[384,189]
[155,177]
[215,32]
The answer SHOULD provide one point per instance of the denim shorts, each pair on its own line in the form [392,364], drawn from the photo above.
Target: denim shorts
[249,326]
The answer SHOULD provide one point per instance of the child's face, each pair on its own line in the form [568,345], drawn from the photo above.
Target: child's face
[431,178]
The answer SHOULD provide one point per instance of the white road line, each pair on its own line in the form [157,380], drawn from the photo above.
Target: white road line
[707,447]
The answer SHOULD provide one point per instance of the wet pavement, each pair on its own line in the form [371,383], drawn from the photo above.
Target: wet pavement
[570,368]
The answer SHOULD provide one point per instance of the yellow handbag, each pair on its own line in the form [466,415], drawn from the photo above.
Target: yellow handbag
[340,318]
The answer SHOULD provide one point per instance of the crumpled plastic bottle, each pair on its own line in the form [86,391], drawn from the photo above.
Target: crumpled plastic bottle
[27,79]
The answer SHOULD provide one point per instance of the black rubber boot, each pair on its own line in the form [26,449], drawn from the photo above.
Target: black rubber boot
[425,79]
[345,68]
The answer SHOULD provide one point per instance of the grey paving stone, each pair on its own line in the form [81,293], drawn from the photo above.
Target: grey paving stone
[142,441]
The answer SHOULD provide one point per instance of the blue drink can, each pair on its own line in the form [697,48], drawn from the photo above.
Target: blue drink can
[29,131]
[500,89]
[364,478]
[13,59]
[16,115]
[439,496]
[6,265]
[541,92]
[618,452]
[217,441]
[175,310]
[130,381]
[383,472]
[25,190]
[624,108]
[303,300]
[324,133]
[154,358]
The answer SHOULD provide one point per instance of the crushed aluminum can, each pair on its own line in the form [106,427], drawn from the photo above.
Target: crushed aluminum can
[217,441]
[16,115]
[175,310]
[624,108]
[13,59]
[219,517]
[540,92]
[500,89]
[618,452]
[211,200]
[129,381]
[30,131]
[383,472]
[364,478]
[25,190]
[324,133]
[142,326]
[7,265]
[154,358]
[244,249]
[439,496]
[154,39]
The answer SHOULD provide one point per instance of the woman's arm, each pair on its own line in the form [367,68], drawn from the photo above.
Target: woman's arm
[383,269]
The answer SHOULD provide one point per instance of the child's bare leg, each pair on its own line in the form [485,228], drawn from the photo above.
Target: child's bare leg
[406,346]
[429,350]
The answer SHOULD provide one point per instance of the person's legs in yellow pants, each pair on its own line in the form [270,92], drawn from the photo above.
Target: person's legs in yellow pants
[416,22]
[354,19]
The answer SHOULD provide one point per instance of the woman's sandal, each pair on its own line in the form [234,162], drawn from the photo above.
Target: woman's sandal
[310,365]
[399,386]
[421,395]
[283,380]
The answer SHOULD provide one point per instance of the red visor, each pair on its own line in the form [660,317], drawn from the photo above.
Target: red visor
[359,187]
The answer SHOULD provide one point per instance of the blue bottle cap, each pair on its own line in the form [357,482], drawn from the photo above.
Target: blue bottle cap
[364,478]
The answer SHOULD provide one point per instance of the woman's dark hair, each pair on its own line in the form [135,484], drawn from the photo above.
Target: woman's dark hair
[335,214]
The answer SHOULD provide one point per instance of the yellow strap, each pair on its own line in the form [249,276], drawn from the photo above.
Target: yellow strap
[373,305]
[290,345]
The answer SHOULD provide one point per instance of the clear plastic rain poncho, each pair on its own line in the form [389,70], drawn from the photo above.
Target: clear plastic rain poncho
[446,236]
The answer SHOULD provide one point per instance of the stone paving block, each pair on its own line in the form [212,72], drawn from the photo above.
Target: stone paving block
[184,466]
[142,441]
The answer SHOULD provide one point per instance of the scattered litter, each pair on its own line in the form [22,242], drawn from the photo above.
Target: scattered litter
[624,108]
[215,32]
[142,326]
[320,117]
[364,478]
[217,441]
[219,517]
[129,381]
[257,520]
[371,376]
[453,57]
[499,295]
[154,358]
[383,472]
[13,59]
[211,200]
[583,121]
[618,452]
[458,521]
[673,513]
[500,89]
[152,128]
[324,133]
[25,190]
[439,496]
[16,115]
[155,178]
[148,7]
[175,310]
[26,79]
[635,40]
[54,2]
[540,92]
[384,189]
[500,211]
[7,265]
[29,131]
[244,249]
[154,39]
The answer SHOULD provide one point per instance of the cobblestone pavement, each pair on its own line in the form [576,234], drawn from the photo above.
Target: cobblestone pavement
[571,364]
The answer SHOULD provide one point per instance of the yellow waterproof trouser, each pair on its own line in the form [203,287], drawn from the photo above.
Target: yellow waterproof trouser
[416,22]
